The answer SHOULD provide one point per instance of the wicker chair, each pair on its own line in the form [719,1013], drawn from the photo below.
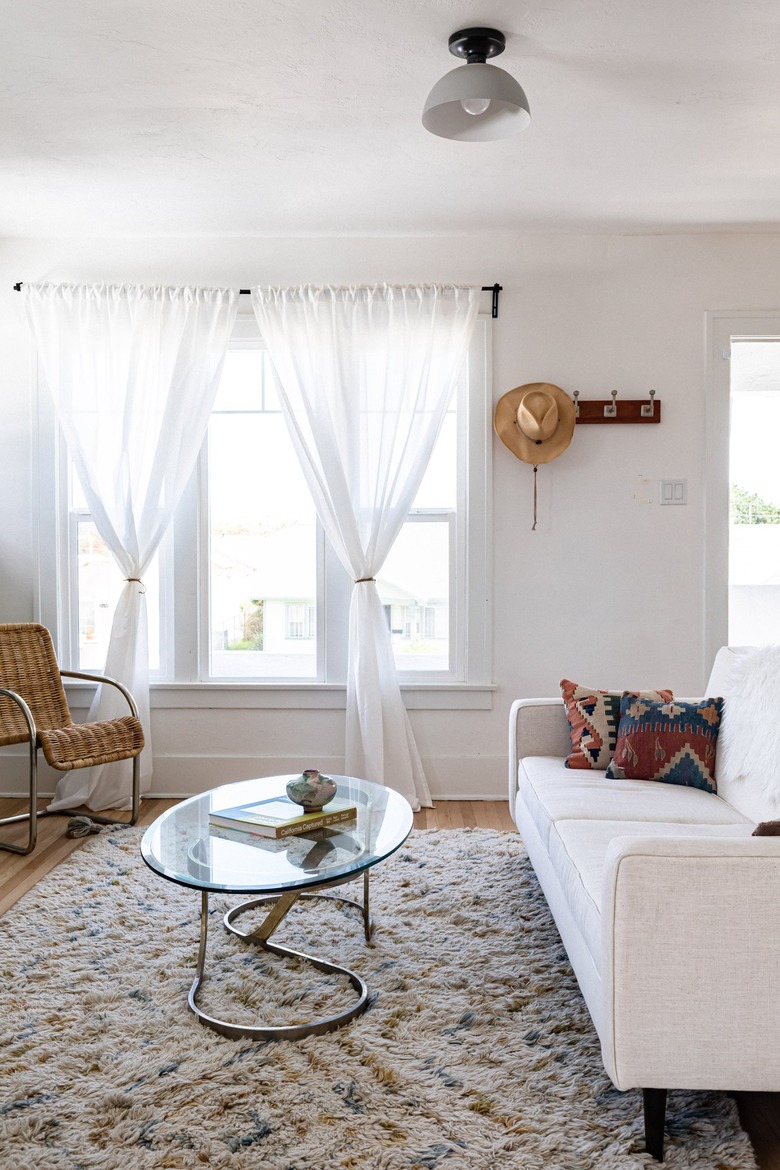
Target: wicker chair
[34,710]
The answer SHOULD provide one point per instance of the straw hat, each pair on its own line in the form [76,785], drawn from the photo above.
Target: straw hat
[535,421]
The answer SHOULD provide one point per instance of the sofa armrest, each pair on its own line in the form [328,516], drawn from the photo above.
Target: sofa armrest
[537,727]
[691,962]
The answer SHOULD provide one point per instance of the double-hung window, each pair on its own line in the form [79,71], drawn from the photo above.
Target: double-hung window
[246,589]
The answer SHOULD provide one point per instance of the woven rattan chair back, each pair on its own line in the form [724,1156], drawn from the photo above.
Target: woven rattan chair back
[28,666]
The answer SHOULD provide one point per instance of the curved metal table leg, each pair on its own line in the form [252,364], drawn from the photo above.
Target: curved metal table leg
[260,937]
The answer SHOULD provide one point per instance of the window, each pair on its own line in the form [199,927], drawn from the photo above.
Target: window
[301,621]
[246,588]
[260,543]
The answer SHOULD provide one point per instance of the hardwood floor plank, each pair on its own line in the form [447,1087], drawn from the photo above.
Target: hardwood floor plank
[494,814]
[468,814]
[505,818]
[448,814]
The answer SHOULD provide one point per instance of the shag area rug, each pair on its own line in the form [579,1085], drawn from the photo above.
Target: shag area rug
[477,1050]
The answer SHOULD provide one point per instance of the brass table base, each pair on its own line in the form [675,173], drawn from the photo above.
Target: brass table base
[282,904]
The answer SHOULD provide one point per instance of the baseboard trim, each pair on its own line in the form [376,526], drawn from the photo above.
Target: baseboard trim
[177,777]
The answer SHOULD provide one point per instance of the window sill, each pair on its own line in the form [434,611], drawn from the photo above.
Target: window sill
[303,696]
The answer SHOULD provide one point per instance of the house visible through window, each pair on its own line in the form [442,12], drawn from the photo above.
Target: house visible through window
[246,587]
[301,621]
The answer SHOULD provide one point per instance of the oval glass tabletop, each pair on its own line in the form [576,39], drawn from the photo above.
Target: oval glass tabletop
[183,846]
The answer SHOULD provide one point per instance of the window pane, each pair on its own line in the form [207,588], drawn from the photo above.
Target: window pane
[414,586]
[439,486]
[263,564]
[99,584]
[242,383]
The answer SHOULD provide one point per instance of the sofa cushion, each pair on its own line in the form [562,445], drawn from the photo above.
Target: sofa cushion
[748,762]
[552,792]
[721,677]
[593,717]
[669,742]
[577,849]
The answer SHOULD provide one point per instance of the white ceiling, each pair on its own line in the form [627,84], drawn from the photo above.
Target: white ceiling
[302,117]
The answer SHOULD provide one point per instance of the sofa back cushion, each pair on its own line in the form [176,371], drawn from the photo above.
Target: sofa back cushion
[720,680]
[747,765]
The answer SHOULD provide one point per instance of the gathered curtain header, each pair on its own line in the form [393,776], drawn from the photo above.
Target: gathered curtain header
[196,292]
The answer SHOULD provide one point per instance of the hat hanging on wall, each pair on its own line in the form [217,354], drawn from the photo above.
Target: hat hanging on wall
[536,423]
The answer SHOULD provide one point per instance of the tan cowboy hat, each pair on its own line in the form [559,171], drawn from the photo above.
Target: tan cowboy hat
[535,421]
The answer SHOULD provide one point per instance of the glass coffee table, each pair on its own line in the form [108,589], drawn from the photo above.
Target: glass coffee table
[183,847]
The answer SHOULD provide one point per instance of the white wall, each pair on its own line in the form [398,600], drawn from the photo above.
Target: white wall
[607,591]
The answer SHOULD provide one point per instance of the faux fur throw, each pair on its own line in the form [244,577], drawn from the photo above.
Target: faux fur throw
[767,829]
[749,741]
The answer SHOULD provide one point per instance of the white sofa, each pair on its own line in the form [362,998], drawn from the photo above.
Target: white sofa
[668,907]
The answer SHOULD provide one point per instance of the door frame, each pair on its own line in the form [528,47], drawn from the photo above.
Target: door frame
[721,326]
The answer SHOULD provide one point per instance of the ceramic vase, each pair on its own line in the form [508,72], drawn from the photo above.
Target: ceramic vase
[311,789]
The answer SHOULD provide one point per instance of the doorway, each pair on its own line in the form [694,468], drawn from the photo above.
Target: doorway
[754,491]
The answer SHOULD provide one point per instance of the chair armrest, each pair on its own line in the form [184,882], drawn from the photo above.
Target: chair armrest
[27,715]
[537,727]
[104,678]
[691,962]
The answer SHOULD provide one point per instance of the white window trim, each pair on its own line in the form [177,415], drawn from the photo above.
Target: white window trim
[471,590]
[720,327]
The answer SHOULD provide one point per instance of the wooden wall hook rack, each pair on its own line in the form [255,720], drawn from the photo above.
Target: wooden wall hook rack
[629,410]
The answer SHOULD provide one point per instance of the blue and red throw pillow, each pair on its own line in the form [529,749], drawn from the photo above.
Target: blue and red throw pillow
[674,742]
[593,722]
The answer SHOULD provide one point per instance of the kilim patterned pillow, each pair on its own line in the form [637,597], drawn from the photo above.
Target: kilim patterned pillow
[674,742]
[593,722]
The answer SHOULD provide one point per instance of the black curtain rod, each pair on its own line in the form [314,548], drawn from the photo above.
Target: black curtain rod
[495,289]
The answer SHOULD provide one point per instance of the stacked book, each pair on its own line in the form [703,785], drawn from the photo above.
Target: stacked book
[278,816]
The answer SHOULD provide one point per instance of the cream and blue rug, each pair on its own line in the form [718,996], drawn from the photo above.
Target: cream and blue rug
[477,1052]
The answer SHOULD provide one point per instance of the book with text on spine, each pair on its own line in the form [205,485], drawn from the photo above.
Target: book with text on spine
[279,816]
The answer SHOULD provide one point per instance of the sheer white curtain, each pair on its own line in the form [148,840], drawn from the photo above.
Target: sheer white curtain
[365,377]
[133,372]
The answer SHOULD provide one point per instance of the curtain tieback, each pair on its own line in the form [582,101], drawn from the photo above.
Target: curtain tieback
[140,582]
[358,580]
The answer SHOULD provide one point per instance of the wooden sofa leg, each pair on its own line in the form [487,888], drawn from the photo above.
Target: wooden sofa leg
[654,1101]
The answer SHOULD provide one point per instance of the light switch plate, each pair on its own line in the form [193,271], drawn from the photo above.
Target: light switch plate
[674,491]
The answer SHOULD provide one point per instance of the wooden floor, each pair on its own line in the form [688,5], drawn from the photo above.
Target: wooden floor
[760,1112]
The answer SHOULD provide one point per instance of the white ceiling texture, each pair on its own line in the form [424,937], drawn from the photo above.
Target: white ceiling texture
[302,117]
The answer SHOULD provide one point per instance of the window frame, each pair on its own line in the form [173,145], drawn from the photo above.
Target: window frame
[184,572]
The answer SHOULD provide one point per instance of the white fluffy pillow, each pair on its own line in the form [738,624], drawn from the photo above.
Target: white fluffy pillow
[748,755]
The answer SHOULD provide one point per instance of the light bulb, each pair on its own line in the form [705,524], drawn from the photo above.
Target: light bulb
[475,105]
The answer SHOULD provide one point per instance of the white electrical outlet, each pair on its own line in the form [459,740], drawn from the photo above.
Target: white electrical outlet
[674,491]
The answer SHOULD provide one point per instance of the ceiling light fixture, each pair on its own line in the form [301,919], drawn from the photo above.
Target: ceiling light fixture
[476,101]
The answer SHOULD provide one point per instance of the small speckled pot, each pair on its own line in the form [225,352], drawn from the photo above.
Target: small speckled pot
[311,789]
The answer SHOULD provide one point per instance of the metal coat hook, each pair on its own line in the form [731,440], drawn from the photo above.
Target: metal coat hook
[648,408]
[610,411]
[576,396]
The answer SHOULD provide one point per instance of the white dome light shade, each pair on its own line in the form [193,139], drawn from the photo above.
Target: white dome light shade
[448,115]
